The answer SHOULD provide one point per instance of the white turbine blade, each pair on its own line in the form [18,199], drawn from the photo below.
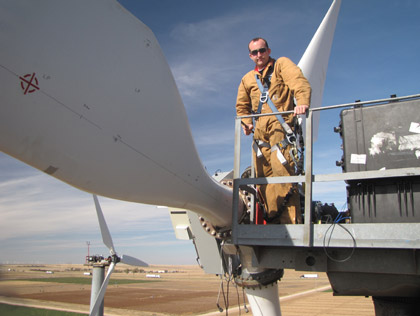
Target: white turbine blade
[89,117]
[133,261]
[314,62]
[102,291]
[106,235]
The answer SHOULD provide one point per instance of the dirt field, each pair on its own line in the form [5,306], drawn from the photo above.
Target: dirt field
[182,290]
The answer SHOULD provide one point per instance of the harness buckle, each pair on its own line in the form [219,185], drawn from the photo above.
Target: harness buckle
[264,97]
[291,138]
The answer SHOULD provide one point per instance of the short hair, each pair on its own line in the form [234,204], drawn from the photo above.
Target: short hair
[257,39]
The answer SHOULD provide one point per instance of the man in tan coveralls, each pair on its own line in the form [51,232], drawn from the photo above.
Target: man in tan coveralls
[287,82]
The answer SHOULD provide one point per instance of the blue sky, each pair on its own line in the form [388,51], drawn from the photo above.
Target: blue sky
[374,55]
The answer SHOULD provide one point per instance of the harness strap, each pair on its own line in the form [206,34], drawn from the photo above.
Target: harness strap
[262,143]
[280,155]
[257,144]
[264,92]
[265,98]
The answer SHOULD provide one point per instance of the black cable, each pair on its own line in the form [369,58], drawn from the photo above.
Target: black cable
[227,296]
[237,294]
[218,295]
[243,296]
[329,240]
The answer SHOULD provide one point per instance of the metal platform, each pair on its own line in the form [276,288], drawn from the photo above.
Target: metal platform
[378,259]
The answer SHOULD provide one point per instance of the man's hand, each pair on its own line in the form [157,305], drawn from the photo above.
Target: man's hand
[248,128]
[301,109]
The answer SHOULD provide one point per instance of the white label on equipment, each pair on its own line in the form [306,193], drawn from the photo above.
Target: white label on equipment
[415,127]
[358,159]
[409,142]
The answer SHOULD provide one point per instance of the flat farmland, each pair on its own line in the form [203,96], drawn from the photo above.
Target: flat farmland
[180,290]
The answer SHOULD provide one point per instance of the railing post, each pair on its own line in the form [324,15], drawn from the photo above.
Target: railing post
[236,176]
[237,149]
[308,226]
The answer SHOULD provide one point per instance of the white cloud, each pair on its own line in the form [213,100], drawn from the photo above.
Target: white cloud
[211,54]
[214,135]
[41,216]
[331,192]
[58,207]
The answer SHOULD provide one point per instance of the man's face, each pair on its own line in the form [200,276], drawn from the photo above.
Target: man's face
[257,53]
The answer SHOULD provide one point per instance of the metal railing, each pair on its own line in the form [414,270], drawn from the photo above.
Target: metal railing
[398,235]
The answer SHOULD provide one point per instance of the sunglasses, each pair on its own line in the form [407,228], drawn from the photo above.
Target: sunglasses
[261,51]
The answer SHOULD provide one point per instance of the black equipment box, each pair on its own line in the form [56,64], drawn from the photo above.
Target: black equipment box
[385,136]
[381,136]
[389,200]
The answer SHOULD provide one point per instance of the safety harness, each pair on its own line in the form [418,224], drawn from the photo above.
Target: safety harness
[289,141]
[265,98]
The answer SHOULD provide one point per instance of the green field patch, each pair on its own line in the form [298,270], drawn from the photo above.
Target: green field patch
[12,310]
[70,280]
